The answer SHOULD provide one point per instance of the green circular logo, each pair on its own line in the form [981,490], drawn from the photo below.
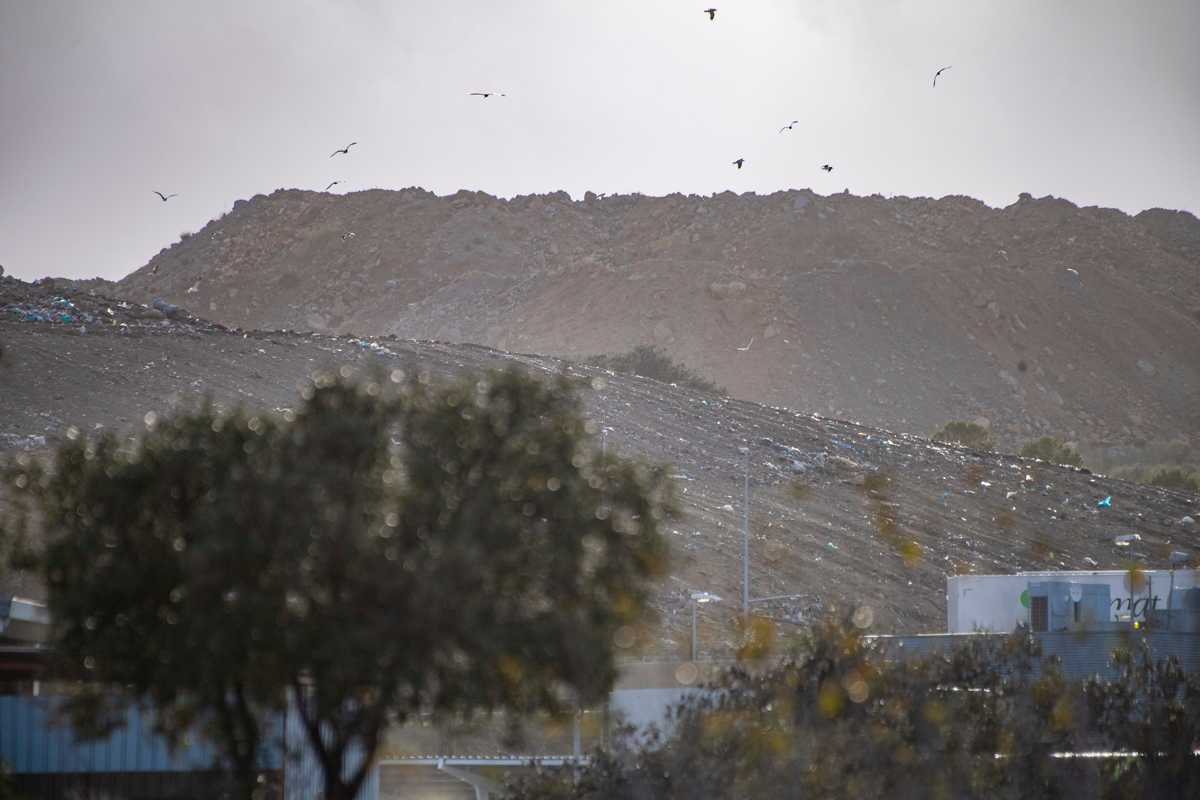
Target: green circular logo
[1025,598]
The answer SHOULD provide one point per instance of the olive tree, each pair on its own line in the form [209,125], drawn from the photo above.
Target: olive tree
[389,547]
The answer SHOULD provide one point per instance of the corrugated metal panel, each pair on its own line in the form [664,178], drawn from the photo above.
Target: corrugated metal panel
[303,778]
[32,741]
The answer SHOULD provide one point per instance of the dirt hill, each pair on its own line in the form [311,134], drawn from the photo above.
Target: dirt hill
[840,513]
[1041,317]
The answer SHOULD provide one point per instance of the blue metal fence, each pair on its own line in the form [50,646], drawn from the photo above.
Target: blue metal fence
[34,740]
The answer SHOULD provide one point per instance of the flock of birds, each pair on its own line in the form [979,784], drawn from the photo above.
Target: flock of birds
[737,162]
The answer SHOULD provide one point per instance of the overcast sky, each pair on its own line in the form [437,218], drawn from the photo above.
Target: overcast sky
[104,101]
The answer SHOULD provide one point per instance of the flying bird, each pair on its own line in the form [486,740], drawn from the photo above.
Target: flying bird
[935,75]
[827,167]
[1073,271]
[747,347]
[789,126]
[331,185]
[739,162]
[712,13]
[344,151]
[486,95]
[348,235]
[166,197]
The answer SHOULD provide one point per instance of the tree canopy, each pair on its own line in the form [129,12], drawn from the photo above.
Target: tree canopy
[388,547]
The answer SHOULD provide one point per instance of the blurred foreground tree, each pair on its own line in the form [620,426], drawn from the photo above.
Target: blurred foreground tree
[148,548]
[390,547]
[838,719]
[1152,709]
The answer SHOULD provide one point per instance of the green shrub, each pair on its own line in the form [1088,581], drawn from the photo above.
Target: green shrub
[1174,477]
[967,434]
[1180,477]
[1049,448]
[650,362]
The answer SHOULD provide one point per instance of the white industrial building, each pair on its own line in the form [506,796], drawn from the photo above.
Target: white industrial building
[999,603]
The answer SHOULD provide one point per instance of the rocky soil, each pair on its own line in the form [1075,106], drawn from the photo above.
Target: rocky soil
[1041,317]
[840,512]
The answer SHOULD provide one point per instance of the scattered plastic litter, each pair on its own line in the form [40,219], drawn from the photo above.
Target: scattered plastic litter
[1009,495]
[1187,521]
[1126,539]
[1091,562]
[1105,503]
[59,309]
[168,309]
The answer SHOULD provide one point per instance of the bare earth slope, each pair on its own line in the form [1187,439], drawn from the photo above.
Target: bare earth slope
[840,513]
[1041,317]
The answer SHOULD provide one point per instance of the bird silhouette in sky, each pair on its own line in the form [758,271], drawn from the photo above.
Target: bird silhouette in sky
[344,151]
[166,197]
[827,167]
[486,95]
[935,75]
[739,162]
[712,13]
[789,126]
[331,185]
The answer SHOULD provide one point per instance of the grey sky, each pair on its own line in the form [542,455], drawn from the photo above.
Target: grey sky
[102,102]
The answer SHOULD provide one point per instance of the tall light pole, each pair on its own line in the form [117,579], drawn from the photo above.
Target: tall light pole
[746,535]
[697,599]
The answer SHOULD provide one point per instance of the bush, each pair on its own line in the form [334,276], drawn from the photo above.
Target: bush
[840,716]
[1179,477]
[1048,448]
[967,434]
[650,362]
[1184,479]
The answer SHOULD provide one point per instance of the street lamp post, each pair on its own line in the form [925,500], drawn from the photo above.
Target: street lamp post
[746,601]
[746,534]
[697,599]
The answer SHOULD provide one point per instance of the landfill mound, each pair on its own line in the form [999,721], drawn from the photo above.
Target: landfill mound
[1038,318]
[840,513]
